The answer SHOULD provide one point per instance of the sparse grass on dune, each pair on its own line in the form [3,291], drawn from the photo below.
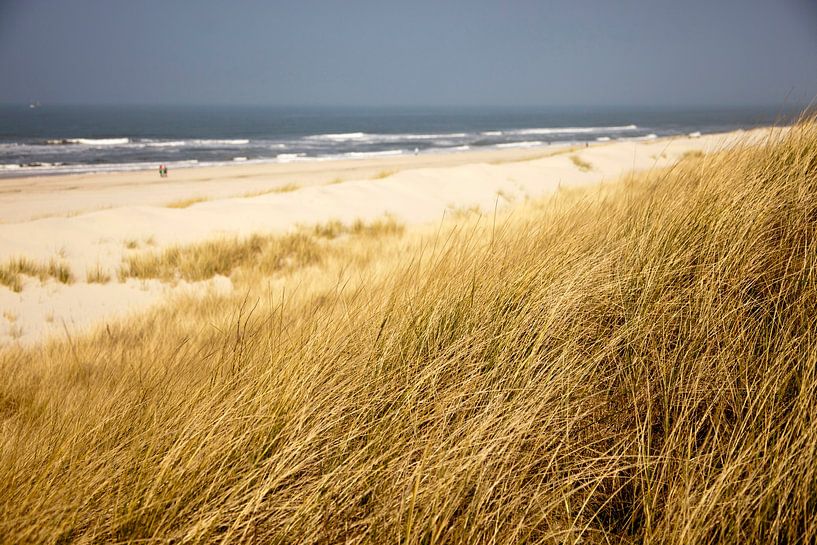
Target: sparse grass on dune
[581,164]
[97,275]
[286,188]
[187,202]
[266,254]
[692,154]
[383,174]
[13,270]
[219,257]
[632,366]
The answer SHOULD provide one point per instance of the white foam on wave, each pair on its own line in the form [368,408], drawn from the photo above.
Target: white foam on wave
[215,142]
[526,144]
[169,144]
[239,159]
[384,137]
[492,133]
[338,137]
[289,157]
[572,130]
[90,141]
[365,154]
[603,139]
[422,136]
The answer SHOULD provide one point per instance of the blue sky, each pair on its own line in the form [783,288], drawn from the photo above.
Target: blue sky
[361,52]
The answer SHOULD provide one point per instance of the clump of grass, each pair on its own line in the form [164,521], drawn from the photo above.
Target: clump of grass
[692,154]
[11,273]
[336,180]
[184,203]
[15,331]
[384,227]
[220,257]
[286,188]
[465,212]
[330,229]
[97,275]
[581,164]
[383,174]
[629,366]
[60,271]
[131,244]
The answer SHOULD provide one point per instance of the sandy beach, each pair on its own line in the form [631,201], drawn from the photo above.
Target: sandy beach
[90,222]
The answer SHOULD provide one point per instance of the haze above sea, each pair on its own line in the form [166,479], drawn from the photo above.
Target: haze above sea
[45,139]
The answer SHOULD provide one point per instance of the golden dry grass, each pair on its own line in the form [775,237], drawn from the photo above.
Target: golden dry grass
[637,365]
[692,154]
[265,254]
[97,275]
[286,188]
[581,164]
[184,203]
[383,174]
[13,271]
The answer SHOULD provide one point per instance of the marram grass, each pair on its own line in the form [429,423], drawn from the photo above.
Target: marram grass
[637,365]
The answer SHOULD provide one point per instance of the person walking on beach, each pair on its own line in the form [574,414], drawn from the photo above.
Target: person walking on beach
[162,171]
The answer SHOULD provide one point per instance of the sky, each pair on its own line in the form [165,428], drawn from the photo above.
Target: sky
[411,53]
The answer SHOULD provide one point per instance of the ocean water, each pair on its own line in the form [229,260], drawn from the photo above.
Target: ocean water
[69,139]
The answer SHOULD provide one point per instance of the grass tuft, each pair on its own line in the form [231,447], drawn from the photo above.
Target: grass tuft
[383,174]
[581,164]
[692,154]
[97,275]
[185,203]
[14,269]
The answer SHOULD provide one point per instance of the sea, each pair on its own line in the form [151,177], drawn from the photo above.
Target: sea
[39,139]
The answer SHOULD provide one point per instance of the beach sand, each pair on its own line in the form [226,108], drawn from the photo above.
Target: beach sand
[90,222]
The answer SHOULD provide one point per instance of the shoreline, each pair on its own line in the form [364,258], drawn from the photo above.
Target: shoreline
[21,197]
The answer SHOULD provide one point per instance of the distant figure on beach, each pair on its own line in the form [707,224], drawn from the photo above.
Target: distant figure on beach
[416,151]
[162,171]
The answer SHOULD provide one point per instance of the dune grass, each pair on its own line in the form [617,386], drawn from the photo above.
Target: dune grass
[581,164]
[97,275]
[692,154]
[266,254]
[383,174]
[286,188]
[13,271]
[186,202]
[635,365]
